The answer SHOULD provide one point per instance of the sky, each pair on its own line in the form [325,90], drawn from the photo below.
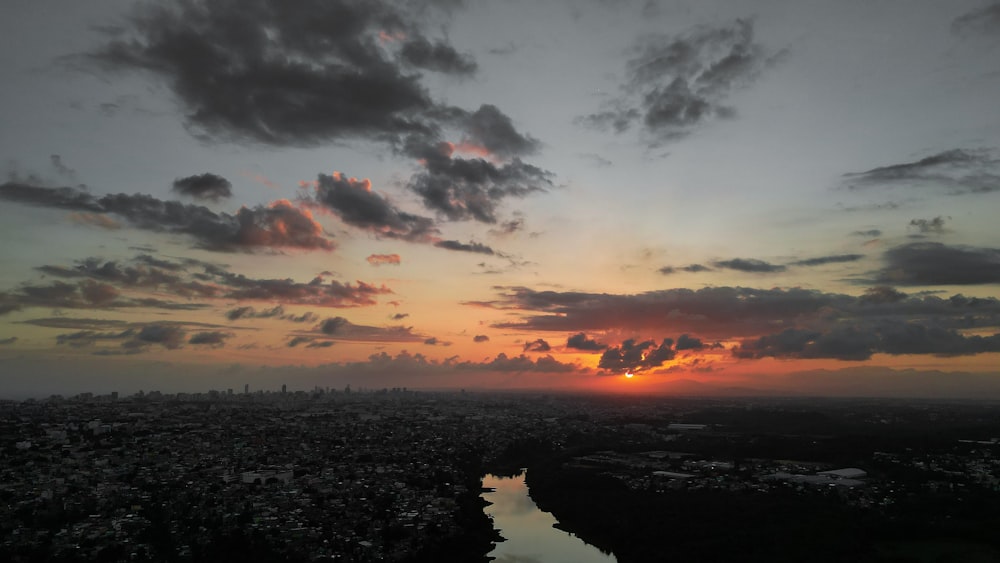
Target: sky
[696,197]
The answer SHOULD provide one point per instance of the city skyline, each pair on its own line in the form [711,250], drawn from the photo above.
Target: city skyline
[763,197]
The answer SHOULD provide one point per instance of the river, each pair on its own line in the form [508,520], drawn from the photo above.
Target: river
[529,532]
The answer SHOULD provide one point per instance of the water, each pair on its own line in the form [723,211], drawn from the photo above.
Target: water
[529,532]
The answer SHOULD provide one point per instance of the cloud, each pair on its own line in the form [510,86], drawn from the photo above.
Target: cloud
[380,259]
[277,225]
[288,73]
[435,341]
[206,186]
[474,247]
[522,363]
[958,171]
[538,345]
[686,342]
[357,205]
[480,338]
[437,56]
[339,328]
[99,284]
[472,188]
[933,263]
[215,339]
[579,341]
[750,265]
[491,129]
[677,84]
[6,341]
[984,21]
[721,313]
[400,316]
[823,260]
[870,233]
[636,356]
[933,226]
[169,336]
[860,343]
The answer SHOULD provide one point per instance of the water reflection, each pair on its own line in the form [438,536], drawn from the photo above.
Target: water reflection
[529,532]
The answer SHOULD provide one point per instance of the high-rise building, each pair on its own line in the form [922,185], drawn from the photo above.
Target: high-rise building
[284,388]
[246,388]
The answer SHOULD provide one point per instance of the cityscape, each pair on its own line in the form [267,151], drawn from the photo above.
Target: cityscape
[397,475]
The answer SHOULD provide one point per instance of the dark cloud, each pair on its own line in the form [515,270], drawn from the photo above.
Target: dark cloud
[60,167]
[491,129]
[984,21]
[823,260]
[277,225]
[933,226]
[860,343]
[538,345]
[687,342]
[475,247]
[214,339]
[636,356]
[882,294]
[357,205]
[168,336]
[471,188]
[932,263]
[579,341]
[721,313]
[480,338]
[99,284]
[320,344]
[295,341]
[86,338]
[438,56]
[691,268]
[749,265]
[522,363]
[871,233]
[435,341]
[288,73]
[206,186]
[6,341]
[339,328]
[958,171]
[695,268]
[676,84]
[380,259]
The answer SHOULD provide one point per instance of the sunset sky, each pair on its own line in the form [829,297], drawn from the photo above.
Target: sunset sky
[795,197]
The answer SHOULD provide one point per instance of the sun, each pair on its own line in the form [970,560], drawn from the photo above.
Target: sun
[629,375]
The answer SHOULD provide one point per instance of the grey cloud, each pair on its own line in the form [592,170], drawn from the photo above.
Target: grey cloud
[214,338]
[579,341]
[437,56]
[522,363]
[871,233]
[734,312]
[358,205]
[933,226]
[7,341]
[932,263]
[750,265]
[958,171]
[168,336]
[284,73]
[471,188]
[206,186]
[475,247]
[339,328]
[278,225]
[860,343]
[490,128]
[823,260]
[538,345]
[676,84]
[321,344]
[984,21]
[480,338]
[687,342]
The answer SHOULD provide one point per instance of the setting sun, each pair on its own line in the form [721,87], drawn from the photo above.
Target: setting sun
[629,375]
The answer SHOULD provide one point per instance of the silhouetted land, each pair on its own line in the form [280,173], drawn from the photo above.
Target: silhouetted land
[395,476]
